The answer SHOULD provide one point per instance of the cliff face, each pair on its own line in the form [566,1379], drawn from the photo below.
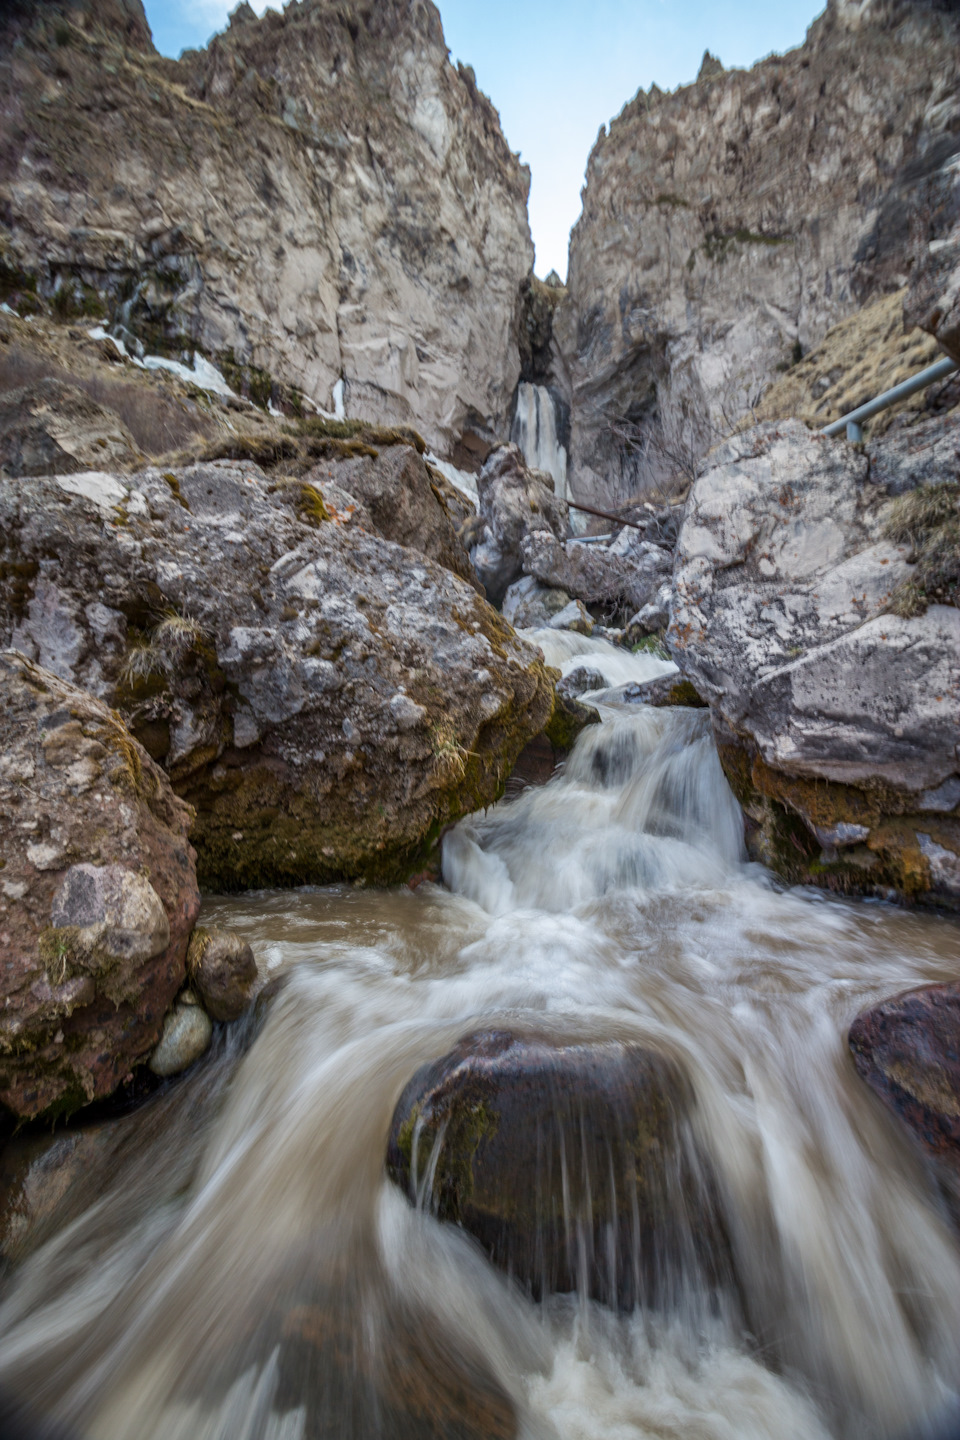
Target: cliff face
[739,218]
[314,197]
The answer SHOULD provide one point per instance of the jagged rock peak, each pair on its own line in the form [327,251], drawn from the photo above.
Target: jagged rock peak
[727,226]
[320,196]
[126,20]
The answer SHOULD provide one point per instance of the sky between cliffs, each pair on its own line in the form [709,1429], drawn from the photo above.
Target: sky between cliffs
[559,69]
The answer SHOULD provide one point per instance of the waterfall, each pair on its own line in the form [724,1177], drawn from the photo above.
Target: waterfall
[231,1261]
[535,431]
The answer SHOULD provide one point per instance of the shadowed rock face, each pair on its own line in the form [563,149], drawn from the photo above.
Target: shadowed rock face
[833,679]
[98,894]
[571,1164]
[325,699]
[908,1051]
[734,219]
[315,197]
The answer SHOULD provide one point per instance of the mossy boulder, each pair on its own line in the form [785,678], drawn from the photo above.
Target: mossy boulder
[573,1165]
[325,699]
[98,894]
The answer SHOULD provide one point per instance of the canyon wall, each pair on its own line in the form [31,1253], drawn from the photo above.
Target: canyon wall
[728,225]
[315,197]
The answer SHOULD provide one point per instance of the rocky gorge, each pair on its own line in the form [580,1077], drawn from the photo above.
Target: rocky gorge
[489,964]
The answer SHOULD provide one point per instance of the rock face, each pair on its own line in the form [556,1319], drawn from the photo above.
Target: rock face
[315,198]
[514,502]
[933,301]
[325,699]
[98,894]
[833,677]
[532,1137]
[51,428]
[728,225]
[908,1051]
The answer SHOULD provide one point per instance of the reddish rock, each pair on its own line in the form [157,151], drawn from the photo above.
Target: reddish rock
[908,1051]
[98,894]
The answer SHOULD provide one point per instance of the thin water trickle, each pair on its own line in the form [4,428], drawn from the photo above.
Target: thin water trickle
[246,1269]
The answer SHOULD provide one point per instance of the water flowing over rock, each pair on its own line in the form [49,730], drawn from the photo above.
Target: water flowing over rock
[908,1051]
[514,502]
[728,225]
[832,677]
[536,431]
[319,199]
[326,700]
[568,1163]
[98,894]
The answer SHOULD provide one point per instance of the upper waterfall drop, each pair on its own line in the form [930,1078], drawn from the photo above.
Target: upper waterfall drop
[535,431]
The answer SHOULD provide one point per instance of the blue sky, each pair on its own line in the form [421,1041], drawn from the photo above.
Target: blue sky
[559,69]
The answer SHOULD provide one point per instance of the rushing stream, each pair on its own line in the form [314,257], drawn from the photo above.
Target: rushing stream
[246,1270]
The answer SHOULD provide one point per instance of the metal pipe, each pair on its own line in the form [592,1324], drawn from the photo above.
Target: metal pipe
[589,539]
[852,422]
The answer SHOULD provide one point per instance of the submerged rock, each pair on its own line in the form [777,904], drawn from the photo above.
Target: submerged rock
[908,1051]
[222,970]
[326,699]
[832,674]
[514,502]
[187,1032]
[98,894]
[572,1164]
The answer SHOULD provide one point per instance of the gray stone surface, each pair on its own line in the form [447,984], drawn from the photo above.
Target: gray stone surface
[187,1032]
[514,502]
[325,698]
[628,575]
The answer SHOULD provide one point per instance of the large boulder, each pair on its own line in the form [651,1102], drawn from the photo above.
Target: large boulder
[808,611]
[514,502]
[572,1164]
[908,1051]
[327,700]
[98,894]
[403,502]
[627,574]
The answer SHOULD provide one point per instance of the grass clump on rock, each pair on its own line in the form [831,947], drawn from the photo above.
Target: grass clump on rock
[928,519]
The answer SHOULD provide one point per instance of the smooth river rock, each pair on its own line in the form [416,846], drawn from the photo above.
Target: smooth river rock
[572,1164]
[98,894]
[222,969]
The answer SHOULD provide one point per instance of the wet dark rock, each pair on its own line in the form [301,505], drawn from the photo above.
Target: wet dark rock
[573,1165]
[664,690]
[221,968]
[908,1051]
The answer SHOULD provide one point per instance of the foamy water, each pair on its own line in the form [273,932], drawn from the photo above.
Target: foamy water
[246,1269]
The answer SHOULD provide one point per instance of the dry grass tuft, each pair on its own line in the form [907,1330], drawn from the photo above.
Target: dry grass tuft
[928,519]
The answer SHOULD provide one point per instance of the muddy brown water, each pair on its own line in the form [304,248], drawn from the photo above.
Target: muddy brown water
[242,1268]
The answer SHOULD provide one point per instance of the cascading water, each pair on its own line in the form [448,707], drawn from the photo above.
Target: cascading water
[535,431]
[241,1266]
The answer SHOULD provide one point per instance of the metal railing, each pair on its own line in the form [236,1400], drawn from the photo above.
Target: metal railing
[853,423]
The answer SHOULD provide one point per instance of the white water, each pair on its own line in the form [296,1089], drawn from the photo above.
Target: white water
[569,651]
[245,1269]
[535,431]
